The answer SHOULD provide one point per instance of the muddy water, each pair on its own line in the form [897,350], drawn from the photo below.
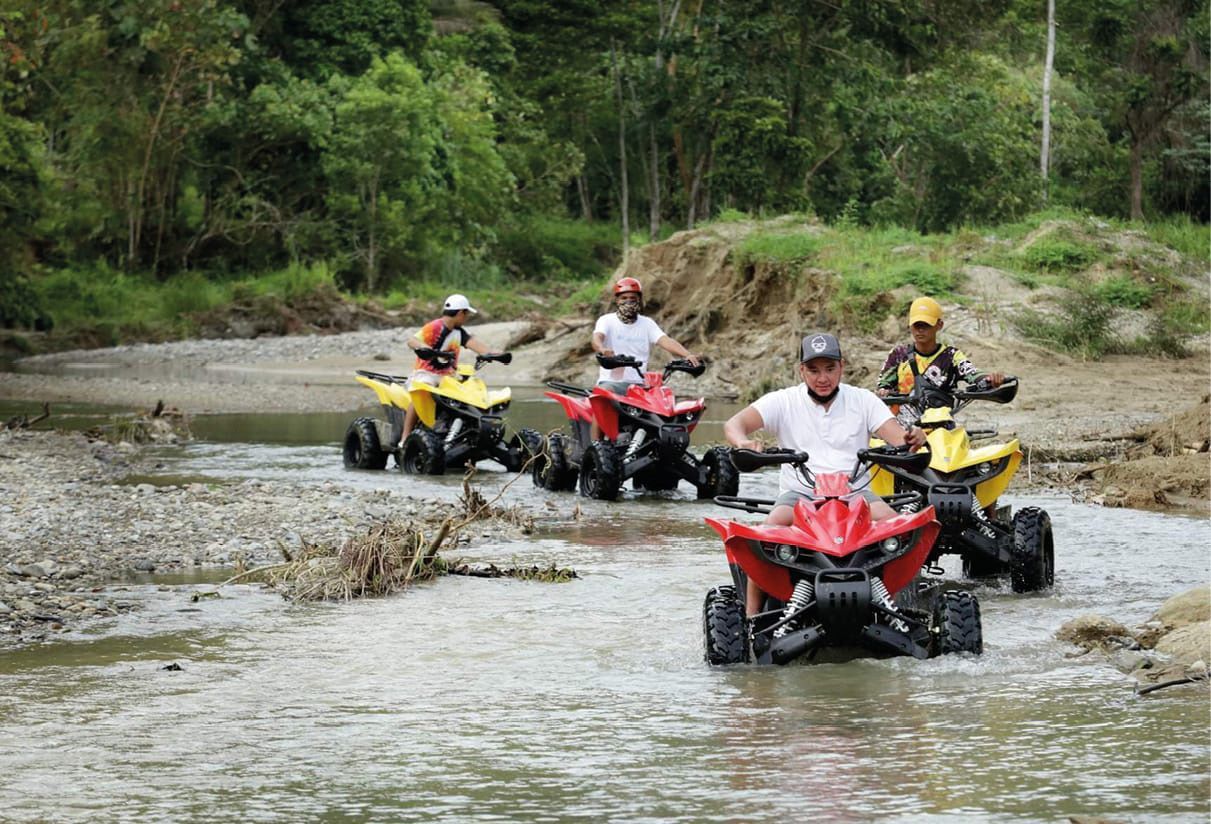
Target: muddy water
[470,699]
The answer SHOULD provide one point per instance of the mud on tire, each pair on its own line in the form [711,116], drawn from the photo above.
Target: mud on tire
[722,477]
[601,472]
[723,628]
[424,453]
[362,449]
[957,620]
[1032,567]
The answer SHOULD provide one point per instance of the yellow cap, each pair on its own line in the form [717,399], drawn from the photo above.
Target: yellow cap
[924,309]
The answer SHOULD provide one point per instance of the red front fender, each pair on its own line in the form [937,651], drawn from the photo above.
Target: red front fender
[771,578]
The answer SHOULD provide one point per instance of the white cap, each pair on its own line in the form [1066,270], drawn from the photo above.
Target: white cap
[457,302]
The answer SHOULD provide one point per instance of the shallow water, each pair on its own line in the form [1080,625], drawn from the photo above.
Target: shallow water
[494,699]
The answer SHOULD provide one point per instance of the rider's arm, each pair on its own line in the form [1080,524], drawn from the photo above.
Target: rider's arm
[893,433]
[475,345]
[599,346]
[669,345]
[968,372]
[741,425]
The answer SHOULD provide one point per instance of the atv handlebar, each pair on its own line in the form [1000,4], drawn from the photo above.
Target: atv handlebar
[957,399]
[684,365]
[499,357]
[438,357]
[750,460]
[897,457]
[619,362]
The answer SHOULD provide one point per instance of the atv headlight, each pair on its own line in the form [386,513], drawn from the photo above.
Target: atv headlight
[891,544]
[984,468]
[787,553]
[627,409]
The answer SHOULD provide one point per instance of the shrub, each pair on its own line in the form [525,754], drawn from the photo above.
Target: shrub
[1124,291]
[1082,326]
[540,248]
[777,248]
[1052,254]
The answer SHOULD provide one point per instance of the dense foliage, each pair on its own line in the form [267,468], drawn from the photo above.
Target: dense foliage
[393,140]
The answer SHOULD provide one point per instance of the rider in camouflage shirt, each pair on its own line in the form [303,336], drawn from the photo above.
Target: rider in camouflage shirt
[939,365]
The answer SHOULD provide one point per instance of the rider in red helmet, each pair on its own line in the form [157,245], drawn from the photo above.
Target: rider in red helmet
[626,332]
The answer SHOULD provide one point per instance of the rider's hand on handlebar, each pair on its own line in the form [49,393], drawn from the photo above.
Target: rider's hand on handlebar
[756,446]
[915,437]
[882,392]
[693,359]
[607,353]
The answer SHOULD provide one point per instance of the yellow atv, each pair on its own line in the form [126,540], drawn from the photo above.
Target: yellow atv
[458,422]
[963,483]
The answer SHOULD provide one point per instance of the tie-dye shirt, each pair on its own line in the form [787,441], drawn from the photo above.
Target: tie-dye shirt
[436,335]
[943,369]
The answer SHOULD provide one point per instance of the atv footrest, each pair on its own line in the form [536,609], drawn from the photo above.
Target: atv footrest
[790,646]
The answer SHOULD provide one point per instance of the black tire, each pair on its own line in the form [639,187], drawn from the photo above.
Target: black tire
[362,449]
[601,472]
[723,628]
[522,446]
[656,479]
[551,469]
[424,453]
[722,477]
[977,566]
[957,620]
[1032,567]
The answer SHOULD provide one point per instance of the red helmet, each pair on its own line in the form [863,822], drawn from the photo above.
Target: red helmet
[628,285]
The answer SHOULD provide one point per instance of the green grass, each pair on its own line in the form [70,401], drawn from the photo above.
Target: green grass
[1082,326]
[1192,240]
[789,247]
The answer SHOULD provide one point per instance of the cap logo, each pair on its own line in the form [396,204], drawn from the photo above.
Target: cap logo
[818,343]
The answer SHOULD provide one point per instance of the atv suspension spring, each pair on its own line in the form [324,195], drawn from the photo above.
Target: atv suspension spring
[636,442]
[455,428]
[981,518]
[801,597]
[879,593]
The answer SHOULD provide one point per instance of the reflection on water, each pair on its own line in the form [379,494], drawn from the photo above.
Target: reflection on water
[472,699]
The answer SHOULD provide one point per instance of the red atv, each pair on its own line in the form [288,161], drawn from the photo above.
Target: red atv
[646,437]
[833,575]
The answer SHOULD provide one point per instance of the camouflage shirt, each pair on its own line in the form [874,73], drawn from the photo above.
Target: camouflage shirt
[943,370]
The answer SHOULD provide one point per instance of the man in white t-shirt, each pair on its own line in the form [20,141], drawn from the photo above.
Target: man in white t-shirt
[827,419]
[626,332]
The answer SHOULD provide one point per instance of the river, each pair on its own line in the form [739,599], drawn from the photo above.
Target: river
[472,699]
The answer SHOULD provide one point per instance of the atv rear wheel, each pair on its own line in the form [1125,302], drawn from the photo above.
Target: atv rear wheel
[551,469]
[601,472]
[424,453]
[1032,567]
[723,627]
[957,620]
[522,447]
[362,449]
[722,477]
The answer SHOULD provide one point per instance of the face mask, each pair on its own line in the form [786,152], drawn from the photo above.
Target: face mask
[824,398]
[628,311]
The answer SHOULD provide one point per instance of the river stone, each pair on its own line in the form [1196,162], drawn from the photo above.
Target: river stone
[5,609]
[1091,631]
[1186,608]
[145,565]
[71,572]
[1187,644]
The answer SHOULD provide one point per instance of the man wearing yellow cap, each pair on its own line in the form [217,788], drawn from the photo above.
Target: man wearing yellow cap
[938,365]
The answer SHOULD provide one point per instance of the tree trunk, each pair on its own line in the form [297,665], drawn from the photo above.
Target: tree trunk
[1045,151]
[1137,178]
[624,194]
[654,195]
[586,202]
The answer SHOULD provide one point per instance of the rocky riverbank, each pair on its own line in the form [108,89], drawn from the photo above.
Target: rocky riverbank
[70,526]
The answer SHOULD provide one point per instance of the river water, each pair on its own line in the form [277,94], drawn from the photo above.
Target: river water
[471,699]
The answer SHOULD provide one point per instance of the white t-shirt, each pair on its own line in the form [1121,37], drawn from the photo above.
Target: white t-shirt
[634,339]
[831,438]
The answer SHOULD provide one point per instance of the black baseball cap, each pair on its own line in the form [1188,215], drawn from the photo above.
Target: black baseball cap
[820,345]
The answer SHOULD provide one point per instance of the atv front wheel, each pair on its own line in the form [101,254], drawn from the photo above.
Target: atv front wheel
[601,471]
[523,446]
[424,453]
[723,627]
[1032,567]
[722,477]
[362,449]
[957,620]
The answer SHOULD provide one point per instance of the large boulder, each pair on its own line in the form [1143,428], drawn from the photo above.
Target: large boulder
[1188,644]
[1190,607]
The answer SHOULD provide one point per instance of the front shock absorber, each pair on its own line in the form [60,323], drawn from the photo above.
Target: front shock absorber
[455,428]
[636,442]
[879,594]
[981,518]
[804,591]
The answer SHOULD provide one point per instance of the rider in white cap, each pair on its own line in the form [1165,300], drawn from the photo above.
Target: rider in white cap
[444,334]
